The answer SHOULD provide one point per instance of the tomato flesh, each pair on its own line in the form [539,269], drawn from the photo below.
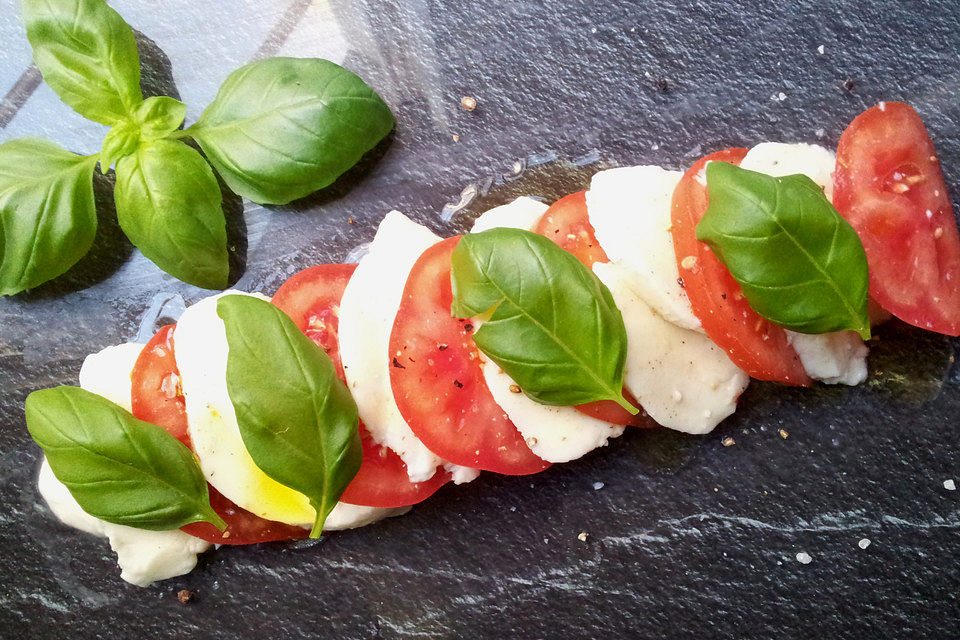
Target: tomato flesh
[156,393]
[312,300]
[889,187]
[566,223]
[438,382]
[754,344]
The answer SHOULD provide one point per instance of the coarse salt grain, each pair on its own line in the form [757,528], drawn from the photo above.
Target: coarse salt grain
[804,558]
[597,486]
[864,543]
[949,485]
[583,536]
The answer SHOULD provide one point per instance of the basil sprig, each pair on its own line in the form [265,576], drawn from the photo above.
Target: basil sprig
[549,322]
[799,263]
[119,469]
[297,419]
[279,129]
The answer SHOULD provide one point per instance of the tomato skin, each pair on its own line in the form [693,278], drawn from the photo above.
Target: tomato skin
[437,380]
[312,300]
[567,224]
[242,526]
[754,344]
[889,187]
[156,395]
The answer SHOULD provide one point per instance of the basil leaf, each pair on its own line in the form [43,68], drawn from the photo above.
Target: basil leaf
[799,263]
[159,116]
[553,326]
[168,204]
[47,215]
[282,128]
[118,468]
[87,54]
[296,417]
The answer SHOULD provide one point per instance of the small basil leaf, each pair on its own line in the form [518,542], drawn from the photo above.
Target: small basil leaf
[159,116]
[87,54]
[282,128]
[553,326]
[120,141]
[168,204]
[799,263]
[47,215]
[119,469]
[296,417]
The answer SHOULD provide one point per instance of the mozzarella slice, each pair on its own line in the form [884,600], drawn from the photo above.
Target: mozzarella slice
[201,350]
[782,159]
[680,377]
[367,311]
[522,213]
[143,556]
[556,434]
[107,372]
[832,358]
[629,209]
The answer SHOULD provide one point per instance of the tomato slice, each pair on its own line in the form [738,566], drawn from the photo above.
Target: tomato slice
[156,393]
[312,300]
[754,344]
[566,223]
[437,380]
[889,187]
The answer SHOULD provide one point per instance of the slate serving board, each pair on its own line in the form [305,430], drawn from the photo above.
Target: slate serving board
[686,538]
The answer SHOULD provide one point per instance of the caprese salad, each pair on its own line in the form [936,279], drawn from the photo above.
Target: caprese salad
[359,390]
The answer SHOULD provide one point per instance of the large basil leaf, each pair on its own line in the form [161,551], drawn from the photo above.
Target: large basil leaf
[168,204]
[550,324]
[282,128]
[296,417]
[47,215]
[87,54]
[118,468]
[799,263]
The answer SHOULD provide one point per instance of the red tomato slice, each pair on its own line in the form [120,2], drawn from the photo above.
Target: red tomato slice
[157,398]
[242,526]
[888,185]
[757,346]
[437,380]
[312,300]
[567,224]
[156,394]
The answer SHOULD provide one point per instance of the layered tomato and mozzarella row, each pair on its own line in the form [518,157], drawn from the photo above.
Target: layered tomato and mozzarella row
[433,409]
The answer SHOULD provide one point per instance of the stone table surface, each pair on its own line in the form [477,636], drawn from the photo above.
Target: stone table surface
[686,538]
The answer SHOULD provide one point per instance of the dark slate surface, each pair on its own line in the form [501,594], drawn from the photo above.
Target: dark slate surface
[687,538]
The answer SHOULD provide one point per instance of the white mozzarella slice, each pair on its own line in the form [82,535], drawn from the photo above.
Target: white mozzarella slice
[832,358]
[782,159]
[522,213]
[680,377]
[144,556]
[107,372]
[556,434]
[352,516]
[629,209]
[367,310]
